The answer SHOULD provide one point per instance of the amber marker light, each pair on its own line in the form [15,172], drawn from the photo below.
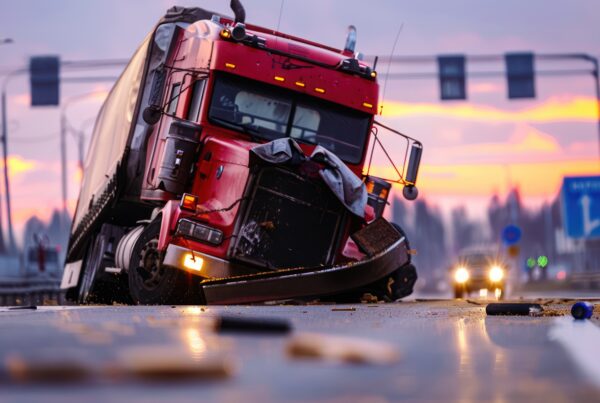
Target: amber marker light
[367,105]
[188,202]
[230,65]
[300,84]
[279,78]
[320,90]
[225,34]
[192,262]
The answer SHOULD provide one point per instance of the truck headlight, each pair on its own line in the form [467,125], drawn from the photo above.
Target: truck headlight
[461,275]
[200,232]
[496,274]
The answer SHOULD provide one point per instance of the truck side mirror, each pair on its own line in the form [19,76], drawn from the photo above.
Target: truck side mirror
[152,114]
[410,191]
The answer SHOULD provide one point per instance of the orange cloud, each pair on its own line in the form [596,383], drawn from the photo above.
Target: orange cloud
[18,165]
[555,109]
[526,142]
[534,179]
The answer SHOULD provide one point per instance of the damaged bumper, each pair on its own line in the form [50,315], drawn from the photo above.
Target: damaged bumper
[304,282]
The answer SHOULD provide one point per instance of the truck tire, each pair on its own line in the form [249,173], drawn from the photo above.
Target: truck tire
[391,288]
[95,287]
[151,283]
[400,283]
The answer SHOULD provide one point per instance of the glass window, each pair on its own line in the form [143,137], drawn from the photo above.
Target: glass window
[270,112]
[197,93]
[174,98]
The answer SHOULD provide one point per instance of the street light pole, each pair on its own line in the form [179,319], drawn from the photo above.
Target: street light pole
[11,237]
[63,158]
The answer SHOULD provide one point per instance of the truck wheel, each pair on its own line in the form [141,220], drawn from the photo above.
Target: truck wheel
[397,285]
[151,283]
[95,287]
[400,283]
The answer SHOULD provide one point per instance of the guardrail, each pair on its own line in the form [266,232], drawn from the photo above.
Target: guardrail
[588,280]
[30,292]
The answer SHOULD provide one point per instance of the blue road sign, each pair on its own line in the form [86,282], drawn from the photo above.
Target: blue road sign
[511,234]
[580,198]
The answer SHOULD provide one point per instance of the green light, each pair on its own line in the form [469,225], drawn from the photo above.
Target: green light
[542,261]
[531,263]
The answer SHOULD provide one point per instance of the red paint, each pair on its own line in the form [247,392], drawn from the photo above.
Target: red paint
[200,47]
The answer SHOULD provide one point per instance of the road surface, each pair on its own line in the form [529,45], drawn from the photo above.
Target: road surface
[447,351]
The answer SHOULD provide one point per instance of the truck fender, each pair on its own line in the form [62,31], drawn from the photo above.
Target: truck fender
[168,216]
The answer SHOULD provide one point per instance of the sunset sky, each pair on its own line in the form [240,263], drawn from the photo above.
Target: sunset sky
[473,149]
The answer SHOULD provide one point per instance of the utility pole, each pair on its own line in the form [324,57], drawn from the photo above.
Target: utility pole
[63,158]
[11,237]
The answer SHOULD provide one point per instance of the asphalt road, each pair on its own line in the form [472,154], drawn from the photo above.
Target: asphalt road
[446,351]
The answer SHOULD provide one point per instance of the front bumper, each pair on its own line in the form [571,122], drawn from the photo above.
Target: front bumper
[211,267]
[225,287]
[478,284]
[305,282]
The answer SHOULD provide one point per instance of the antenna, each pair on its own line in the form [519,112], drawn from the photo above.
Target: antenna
[387,73]
[280,13]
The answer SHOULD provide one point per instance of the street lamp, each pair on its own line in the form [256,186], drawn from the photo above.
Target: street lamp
[4,138]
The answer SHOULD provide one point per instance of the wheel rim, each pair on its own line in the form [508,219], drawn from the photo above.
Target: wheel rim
[151,272]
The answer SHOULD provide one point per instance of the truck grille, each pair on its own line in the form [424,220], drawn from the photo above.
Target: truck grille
[289,221]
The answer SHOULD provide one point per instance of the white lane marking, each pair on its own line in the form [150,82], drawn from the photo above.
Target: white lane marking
[580,339]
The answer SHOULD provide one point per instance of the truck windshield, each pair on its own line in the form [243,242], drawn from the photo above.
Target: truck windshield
[270,112]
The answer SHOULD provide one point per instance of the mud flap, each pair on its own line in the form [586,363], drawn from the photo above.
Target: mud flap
[305,282]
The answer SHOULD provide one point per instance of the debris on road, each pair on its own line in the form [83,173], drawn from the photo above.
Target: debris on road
[513,309]
[582,310]
[351,309]
[57,369]
[23,307]
[342,349]
[157,362]
[252,325]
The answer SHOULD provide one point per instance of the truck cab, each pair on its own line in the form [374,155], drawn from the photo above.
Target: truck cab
[245,155]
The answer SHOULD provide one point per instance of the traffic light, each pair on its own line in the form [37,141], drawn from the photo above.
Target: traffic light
[520,75]
[452,75]
[542,261]
[44,79]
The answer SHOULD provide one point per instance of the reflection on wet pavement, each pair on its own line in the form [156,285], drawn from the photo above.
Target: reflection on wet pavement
[448,351]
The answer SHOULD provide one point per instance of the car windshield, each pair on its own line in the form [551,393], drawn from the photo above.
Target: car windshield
[269,112]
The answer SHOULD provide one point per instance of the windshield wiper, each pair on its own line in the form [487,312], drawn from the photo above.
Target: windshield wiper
[247,128]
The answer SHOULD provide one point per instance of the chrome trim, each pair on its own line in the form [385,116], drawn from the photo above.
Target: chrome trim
[212,268]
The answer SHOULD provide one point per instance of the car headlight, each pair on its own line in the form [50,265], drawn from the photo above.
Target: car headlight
[461,275]
[496,274]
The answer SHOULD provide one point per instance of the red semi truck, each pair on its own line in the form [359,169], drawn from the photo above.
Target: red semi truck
[229,165]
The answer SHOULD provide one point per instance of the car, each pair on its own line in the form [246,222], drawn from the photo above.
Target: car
[479,269]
